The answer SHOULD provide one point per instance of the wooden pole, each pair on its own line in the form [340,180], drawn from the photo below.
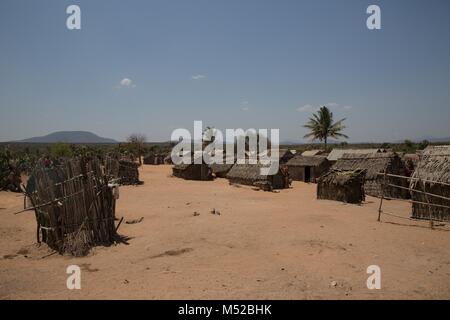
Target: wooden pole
[382,196]
[428,205]
[120,222]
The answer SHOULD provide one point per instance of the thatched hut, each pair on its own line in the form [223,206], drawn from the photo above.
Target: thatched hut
[154,159]
[307,169]
[345,186]
[128,173]
[284,156]
[193,171]
[250,174]
[220,170]
[336,154]
[432,176]
[122,168]
[374,164]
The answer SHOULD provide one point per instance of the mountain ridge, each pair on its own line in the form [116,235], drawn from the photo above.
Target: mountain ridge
[69,137]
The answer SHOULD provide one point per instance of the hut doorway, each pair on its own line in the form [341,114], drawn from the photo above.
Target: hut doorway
[307,174]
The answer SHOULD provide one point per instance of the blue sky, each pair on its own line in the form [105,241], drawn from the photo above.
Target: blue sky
[231,64]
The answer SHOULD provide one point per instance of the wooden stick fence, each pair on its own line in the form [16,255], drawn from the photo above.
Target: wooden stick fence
[428,204]
[74,206]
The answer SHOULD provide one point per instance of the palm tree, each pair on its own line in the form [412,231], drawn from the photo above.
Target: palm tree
[321,126]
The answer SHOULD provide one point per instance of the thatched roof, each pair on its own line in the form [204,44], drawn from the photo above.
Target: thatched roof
[282,153]
[411,158]
[221,168]
[340,177]
[302,161]
[309,153]
[434,164]
[247,172]
[373,163]
[336,154]
[194,157]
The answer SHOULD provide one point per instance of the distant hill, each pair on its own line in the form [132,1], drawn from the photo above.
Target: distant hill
[69,137]
[429,138]
[434,139]
[297,142]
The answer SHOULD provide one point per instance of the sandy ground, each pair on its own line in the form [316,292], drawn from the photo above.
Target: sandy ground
[285,245]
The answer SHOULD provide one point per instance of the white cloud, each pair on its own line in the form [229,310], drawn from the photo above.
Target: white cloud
[245,105]
[348,107]
[307,108]
[198,77]
[126,83]
[332,104]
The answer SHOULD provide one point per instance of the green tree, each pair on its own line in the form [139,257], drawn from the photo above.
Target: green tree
[408,146]
[60,150]
[136,144]
[321,126]
[424,144]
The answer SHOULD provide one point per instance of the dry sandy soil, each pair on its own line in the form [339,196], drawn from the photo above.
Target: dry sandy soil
[285,245]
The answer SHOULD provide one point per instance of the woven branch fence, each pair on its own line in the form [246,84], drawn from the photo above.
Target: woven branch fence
[74,206]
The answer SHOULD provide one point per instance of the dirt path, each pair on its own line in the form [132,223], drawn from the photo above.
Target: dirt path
[285,245]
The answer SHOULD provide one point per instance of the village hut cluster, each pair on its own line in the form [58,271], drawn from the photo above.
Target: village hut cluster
[155,158]
[347,175]
[74,201]
[236,173]
[374,164]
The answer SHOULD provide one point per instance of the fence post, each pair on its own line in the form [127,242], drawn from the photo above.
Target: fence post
[428,205]
[383,186]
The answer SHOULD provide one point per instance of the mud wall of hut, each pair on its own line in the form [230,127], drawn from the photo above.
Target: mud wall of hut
[297,173]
